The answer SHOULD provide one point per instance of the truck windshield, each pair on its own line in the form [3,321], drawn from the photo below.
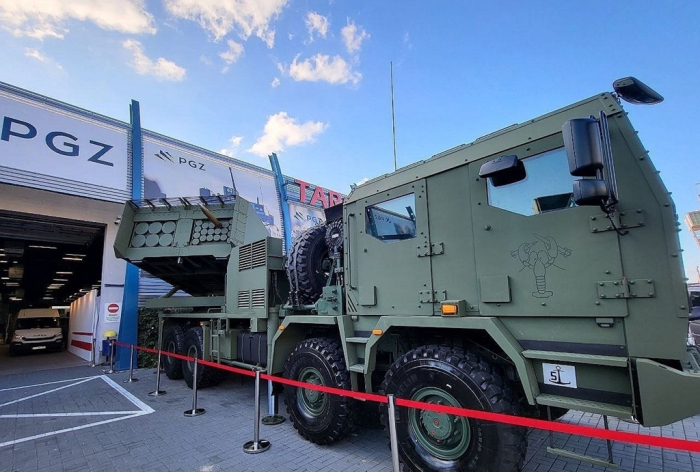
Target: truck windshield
[37,323]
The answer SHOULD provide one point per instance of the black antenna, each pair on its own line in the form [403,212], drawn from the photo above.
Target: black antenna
[393,121]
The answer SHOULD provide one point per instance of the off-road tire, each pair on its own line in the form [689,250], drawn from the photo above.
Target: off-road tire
[305,265]
[192,347]
[319,417]
[464,378]
[173,340]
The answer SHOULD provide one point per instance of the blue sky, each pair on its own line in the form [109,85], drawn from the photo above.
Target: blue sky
[310,79]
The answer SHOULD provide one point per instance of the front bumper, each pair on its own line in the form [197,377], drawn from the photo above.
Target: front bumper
[37,346]
[664,395]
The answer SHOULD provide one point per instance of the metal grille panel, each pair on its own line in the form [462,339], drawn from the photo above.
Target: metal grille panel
[245,259]
[259,255]
[258,296]
[252,255]
[244,299]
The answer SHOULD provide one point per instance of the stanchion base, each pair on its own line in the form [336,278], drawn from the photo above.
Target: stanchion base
[272,420]
[252,448]
[157,393]
[130,381]
[195,412]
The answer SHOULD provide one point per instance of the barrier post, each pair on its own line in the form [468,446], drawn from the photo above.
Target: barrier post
[392,434]
[157,392]
[257,445]
[273,417]
[194,411]
[131,366]
[111,358]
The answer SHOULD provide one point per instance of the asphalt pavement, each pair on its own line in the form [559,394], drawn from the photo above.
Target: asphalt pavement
[59,414]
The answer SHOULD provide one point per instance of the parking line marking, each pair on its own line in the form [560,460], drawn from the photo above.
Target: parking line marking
[143,409]
[46,383]
[67,430]
[138,403]
[54,415]
[47,392]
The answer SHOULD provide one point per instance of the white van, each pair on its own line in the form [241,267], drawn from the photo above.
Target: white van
[36,329]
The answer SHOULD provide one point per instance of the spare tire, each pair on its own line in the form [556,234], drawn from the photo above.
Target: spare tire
[308,265]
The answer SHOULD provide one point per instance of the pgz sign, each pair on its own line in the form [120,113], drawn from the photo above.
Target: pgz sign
[12,127]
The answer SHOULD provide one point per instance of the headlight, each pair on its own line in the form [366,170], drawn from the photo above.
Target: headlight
[18,337]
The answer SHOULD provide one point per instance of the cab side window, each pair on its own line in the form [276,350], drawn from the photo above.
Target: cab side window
[392,220]
[547,187]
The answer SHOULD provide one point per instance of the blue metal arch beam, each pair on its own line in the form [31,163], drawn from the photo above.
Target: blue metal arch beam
[128,328]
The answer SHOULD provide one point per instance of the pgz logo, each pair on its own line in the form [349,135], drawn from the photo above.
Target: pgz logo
[166,156]
[68,148]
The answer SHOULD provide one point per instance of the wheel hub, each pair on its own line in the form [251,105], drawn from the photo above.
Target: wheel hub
[311,401]
[437,425]
[170,348]
[192,352]
[444,436]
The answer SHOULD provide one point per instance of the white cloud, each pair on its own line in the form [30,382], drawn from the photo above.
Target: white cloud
[220,17]
[353,36]
[363,181]
[316,23]
[281,131]
[29,52]
[45,18]
[161,68]
[36,54]
[232,149]
[321,68]
[206,60]
[234,52]
[275,82]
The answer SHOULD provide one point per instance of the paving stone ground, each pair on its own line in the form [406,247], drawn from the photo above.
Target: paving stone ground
[122,434]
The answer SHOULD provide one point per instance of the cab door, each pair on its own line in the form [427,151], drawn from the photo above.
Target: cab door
[537,253]
[389,253]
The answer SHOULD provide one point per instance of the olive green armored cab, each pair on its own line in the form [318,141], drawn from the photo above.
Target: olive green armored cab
[538,266]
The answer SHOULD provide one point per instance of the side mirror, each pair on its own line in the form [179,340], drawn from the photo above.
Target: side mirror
[590,192]
[635,91]
[503,170]
[584,148]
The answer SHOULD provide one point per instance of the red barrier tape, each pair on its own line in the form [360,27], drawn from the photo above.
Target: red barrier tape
[155,351]
[146,349]
[332,390]
[670,443]
[588,431]
[228,368]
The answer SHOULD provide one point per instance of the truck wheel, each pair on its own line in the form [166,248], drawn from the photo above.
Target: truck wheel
[319,417]
[305,264]
[438,441]
[192,347]
[172,342]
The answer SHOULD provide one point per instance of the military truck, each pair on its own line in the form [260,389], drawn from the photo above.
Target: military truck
[538,266]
